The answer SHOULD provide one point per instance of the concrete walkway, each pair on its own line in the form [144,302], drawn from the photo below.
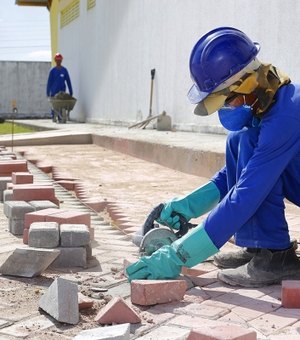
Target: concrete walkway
[179,162]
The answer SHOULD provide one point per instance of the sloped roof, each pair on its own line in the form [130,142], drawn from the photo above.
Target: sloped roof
[44,3]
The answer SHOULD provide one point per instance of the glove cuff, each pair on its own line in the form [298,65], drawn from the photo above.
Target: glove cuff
[194,247]
[203,199]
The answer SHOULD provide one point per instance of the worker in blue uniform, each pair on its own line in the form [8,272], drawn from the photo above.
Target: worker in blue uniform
[58,79]
[260,106]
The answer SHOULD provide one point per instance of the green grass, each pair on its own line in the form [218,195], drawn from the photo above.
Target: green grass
[8,128]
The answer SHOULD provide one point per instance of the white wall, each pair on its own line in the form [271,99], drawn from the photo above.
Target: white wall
[110,50]
[24,82]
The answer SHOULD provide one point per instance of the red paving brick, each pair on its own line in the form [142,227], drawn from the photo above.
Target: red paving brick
[151,292]
[33,193]
[21,178]
[222,333]
[84,302]
[290,296]
[117,311]
[8,167]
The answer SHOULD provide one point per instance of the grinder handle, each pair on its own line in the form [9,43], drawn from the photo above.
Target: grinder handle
[184,225]
[154,215]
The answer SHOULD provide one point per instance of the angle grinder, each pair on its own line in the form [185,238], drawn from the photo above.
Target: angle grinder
[152,236]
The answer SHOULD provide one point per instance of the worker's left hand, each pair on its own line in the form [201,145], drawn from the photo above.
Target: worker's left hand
[193,205]
[162,264]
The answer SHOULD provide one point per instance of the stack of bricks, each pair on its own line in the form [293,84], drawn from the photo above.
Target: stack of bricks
[15,211]
[7,167]
[72,240]
[33,212]
[16,184]
[59,216]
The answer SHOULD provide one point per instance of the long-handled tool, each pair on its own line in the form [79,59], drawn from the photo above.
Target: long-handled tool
[151,92]
[145,122]
[152,237]
[151,98]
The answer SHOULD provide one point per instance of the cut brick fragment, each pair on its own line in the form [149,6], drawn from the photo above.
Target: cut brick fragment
[152,292]
[61,301]
[227,332]
[84,302]
[290,294]
[27,262]
[116,332]
[117,311]
[21,178]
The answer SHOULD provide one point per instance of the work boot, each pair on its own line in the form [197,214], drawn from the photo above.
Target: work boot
[266,267]
[234,259]
[238,258]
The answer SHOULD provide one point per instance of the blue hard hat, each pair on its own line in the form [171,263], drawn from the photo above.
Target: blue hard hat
[216,57]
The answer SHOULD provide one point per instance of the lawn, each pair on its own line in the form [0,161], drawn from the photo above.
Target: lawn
[8,128]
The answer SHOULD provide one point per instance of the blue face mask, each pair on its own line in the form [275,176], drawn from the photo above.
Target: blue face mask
[236,118]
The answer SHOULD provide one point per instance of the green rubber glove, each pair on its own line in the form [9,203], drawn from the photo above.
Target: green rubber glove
[166,262]
[193,205]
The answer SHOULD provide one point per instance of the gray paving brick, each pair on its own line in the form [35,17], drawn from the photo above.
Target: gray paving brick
[116,332]
[61,301]
[43,235]
[42,204]
[27,327]
[3,182]
[27,262]
[7,195]
[70,257]
[16,226]
[17,209]
[74,235]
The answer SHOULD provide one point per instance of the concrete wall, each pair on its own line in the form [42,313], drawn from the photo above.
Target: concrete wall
[25,82]
[110,49]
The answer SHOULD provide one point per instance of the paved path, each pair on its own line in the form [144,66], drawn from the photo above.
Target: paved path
[135,186]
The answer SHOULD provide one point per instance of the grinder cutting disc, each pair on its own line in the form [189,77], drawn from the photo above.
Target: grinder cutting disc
[155,239]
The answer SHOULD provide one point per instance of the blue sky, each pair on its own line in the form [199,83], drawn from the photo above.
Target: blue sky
[24,32]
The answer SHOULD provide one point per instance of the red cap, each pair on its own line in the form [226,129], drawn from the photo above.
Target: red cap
[58,56]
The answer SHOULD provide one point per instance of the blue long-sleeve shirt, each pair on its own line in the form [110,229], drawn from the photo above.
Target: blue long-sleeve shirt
[276,154]
[58,77]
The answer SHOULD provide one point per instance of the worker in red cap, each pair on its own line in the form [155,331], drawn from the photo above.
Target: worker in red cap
[57,80]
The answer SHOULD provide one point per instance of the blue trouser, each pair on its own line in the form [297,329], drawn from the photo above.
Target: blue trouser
[267,228]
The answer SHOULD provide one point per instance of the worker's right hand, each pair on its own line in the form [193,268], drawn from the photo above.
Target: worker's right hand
[166,262]
[190,206]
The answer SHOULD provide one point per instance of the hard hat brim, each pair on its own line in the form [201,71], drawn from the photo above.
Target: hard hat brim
[243,82]
[195,95]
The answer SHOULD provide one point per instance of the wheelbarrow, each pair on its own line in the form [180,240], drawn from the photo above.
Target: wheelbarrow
[62,103]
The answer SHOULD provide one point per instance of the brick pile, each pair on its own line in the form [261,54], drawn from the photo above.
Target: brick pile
[72,240]
[33,212]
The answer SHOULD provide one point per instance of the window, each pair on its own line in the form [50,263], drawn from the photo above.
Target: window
[90,4]
[69,13]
